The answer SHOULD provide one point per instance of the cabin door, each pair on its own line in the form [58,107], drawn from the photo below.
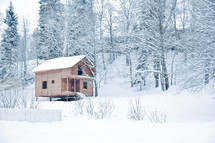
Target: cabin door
[72,85]
[77,85]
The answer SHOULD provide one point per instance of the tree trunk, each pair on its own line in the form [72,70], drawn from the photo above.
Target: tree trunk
[96,89]
[101,32]
[207,68]
[165,74]
[127,60]
[131,71]
[172,68]
[157,69]
[163,61]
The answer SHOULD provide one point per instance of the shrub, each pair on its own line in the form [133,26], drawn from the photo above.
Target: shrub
[90,107]
[11,99]
[17,98]
[104,109]
[156,116]
[135,110]
[79,106]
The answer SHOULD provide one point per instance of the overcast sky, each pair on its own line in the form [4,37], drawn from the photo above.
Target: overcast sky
[24,9]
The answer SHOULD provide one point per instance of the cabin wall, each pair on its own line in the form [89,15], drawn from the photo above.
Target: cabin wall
[52,88]
[86,70]
[65,72]
[89,90]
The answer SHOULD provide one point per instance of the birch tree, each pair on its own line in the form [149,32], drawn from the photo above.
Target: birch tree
[156,17]
[24,44]
[101,9]
[198,41]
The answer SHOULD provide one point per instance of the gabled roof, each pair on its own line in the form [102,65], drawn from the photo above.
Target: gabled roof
[59,63]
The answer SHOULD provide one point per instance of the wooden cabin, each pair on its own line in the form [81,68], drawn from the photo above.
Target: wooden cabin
[64,77]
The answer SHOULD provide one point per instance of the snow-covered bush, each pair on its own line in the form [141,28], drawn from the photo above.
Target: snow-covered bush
[90,107]
[11,99]
[104,109]
[136,110]
[156,116]
[79,107]
[33,103]
[18,98]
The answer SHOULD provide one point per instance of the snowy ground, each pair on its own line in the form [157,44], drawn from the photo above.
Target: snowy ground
[190,118]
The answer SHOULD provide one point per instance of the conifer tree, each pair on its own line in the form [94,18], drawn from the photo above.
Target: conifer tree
[51,24]
[9,44]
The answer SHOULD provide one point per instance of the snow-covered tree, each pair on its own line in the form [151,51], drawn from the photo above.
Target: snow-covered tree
[23,54]
[110,28]
[100,10]
[127,13]
[142,69]
[156,16]
[1,23]
[9,45]
[198,43]
[51,24]
[36,51]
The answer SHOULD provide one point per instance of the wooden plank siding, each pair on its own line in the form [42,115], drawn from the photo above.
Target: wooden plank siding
[60,77]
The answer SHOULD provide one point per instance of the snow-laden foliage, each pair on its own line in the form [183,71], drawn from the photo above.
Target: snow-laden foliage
[18,98]
[9,45]
[100,109]
[10,99]
[90,108]
[51,23]
[79,107]
[136,110]
[156,116]
[104,109]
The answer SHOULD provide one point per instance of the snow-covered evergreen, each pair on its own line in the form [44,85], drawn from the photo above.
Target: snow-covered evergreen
[9,45]
[51,24]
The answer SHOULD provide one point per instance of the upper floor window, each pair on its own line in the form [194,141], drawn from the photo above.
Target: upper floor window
[44,85]
[85,85]
[80,70]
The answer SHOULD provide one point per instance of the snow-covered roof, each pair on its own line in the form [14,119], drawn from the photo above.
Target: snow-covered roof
[58,63]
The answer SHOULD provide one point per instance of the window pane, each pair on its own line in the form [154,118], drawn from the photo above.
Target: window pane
[85,85]
[80,70]
[44,84]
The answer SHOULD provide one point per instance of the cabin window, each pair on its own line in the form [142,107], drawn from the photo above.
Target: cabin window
[85,85]
[44,84]
[80,71]
[52,81]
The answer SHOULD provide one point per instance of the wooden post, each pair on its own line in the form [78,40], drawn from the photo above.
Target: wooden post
[36,98]
[67,88]
[74,85]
